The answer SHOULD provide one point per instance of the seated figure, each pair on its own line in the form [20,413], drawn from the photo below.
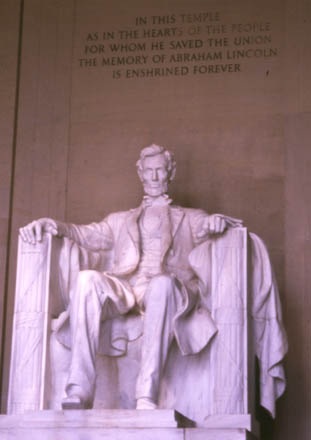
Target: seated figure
[154,272]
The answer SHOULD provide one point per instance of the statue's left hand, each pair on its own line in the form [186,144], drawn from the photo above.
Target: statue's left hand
[217,224]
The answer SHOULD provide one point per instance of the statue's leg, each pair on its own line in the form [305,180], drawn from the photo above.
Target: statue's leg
[89,306]
[162,300]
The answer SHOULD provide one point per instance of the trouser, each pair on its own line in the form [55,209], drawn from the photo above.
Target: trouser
[94,301]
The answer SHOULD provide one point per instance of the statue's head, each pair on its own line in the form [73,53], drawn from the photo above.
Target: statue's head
[156,167]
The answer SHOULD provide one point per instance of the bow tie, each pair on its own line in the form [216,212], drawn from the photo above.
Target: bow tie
[163,200]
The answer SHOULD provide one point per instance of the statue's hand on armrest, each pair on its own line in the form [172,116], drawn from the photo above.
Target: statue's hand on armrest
[32,233]
[217,224]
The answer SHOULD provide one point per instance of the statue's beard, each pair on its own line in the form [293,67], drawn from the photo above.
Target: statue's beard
[155,189]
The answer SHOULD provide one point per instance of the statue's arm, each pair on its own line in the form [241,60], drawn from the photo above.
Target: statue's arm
[95,236]
[205,224]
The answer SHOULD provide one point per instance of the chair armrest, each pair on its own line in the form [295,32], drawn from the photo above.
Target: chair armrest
[34,306]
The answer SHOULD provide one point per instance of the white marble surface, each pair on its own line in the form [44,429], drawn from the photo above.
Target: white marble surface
[218,434]
[230,421]
[93,418]
[114,425]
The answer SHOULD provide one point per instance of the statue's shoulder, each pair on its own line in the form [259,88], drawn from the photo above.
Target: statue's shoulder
[119,215]
[190,212]
[117,218]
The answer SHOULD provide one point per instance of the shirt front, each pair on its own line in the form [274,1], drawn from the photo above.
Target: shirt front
[152,226]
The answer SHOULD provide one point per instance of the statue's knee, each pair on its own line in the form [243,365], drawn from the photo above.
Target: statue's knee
[87,278]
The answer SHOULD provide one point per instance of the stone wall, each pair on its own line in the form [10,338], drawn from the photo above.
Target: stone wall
[225,85]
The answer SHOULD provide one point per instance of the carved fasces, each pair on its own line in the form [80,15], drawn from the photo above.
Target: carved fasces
[30,326]
[229,353]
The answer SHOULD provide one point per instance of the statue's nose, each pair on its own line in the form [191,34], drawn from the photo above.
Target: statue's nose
[155,175]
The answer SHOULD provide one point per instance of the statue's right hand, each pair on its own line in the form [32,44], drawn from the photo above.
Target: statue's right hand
[32,233]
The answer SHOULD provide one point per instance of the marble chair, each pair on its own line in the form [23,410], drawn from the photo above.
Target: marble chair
[219,380]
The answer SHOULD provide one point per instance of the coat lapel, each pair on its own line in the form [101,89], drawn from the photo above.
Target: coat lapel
[132,226]
[174,218]
[166,236]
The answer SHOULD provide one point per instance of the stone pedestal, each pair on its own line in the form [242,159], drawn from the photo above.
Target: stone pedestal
[120,425]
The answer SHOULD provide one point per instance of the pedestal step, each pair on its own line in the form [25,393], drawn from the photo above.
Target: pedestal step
[117,425]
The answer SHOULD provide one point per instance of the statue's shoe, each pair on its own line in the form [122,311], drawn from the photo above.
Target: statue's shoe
[75,402]
[145,403]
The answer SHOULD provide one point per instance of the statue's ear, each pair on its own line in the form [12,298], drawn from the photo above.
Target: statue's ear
[172,173]
[140,174]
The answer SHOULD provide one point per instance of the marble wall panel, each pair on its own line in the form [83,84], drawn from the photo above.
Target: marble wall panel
[42,135]
[9,44]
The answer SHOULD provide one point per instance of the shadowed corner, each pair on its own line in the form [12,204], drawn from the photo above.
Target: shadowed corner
[265,420]
[183,421]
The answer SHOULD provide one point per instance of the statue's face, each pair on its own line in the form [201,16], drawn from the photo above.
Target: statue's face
[155,175]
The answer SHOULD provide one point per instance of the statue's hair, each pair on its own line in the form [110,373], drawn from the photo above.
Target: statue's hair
[153,150]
